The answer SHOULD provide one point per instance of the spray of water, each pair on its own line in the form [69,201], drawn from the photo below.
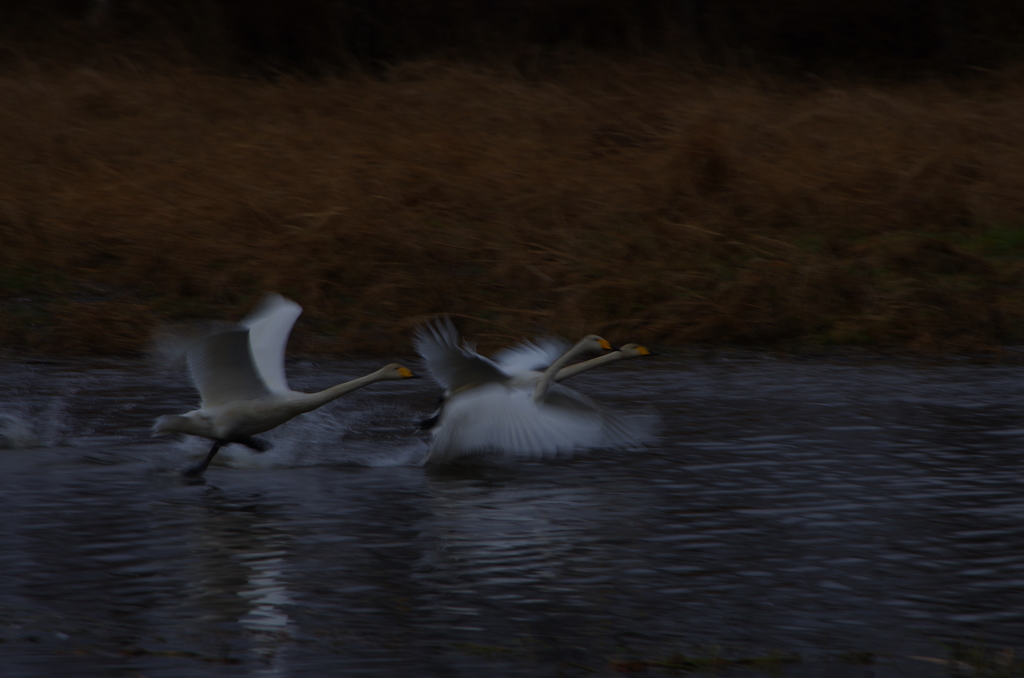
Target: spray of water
[16,432]
[27,422]
[358,432]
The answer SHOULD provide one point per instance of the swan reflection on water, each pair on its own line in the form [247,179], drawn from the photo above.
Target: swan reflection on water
[265,592]
[484,544]
[241,577]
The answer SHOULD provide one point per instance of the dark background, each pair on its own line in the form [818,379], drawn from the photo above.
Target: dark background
[874,37]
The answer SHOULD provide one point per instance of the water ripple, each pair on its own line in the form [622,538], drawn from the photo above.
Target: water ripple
[811,506]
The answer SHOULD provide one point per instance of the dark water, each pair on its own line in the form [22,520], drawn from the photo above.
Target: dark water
[819,507]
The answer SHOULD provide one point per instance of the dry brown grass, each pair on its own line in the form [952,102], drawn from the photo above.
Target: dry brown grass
[629,199]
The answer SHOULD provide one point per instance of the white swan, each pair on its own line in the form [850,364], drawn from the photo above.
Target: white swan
[240,376]
[505,405]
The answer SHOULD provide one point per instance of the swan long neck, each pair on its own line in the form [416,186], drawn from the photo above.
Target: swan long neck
[311,401]
[545,379]
[580,368]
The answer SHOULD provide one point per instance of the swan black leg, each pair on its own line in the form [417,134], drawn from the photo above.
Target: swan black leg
[431,421]
[197,470]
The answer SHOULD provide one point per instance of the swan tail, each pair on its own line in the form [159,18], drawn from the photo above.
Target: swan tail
[171,423]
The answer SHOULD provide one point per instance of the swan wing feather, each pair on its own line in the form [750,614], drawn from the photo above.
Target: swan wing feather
[269,327]
[616,431]
[530,355]
[222,368]
[452,365]
[495,418]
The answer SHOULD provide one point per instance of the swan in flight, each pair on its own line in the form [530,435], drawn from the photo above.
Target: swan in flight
[239,372]
[507,404]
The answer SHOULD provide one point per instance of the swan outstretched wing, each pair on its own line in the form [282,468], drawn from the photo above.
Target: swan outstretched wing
[222,367]
[530,355]
[452,365]
[617,431]
[269,326]
[498,419]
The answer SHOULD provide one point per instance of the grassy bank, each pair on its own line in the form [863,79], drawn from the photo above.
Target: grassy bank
[579,194]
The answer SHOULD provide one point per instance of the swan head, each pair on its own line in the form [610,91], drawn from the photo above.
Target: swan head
[396,371]
[595,344]
[635,350]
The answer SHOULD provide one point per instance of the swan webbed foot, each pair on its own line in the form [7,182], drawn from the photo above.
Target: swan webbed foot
[253,443]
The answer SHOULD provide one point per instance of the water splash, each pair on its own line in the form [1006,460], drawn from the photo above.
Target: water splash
[346,435]
[16,432]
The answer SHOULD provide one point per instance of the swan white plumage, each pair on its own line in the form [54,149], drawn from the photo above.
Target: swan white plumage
[506,405]
[239,372]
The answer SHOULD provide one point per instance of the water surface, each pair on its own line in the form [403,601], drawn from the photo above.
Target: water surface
[816,507]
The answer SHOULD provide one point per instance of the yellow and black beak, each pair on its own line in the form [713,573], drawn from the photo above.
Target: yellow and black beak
[606,345]
[407,373]
[643,350]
